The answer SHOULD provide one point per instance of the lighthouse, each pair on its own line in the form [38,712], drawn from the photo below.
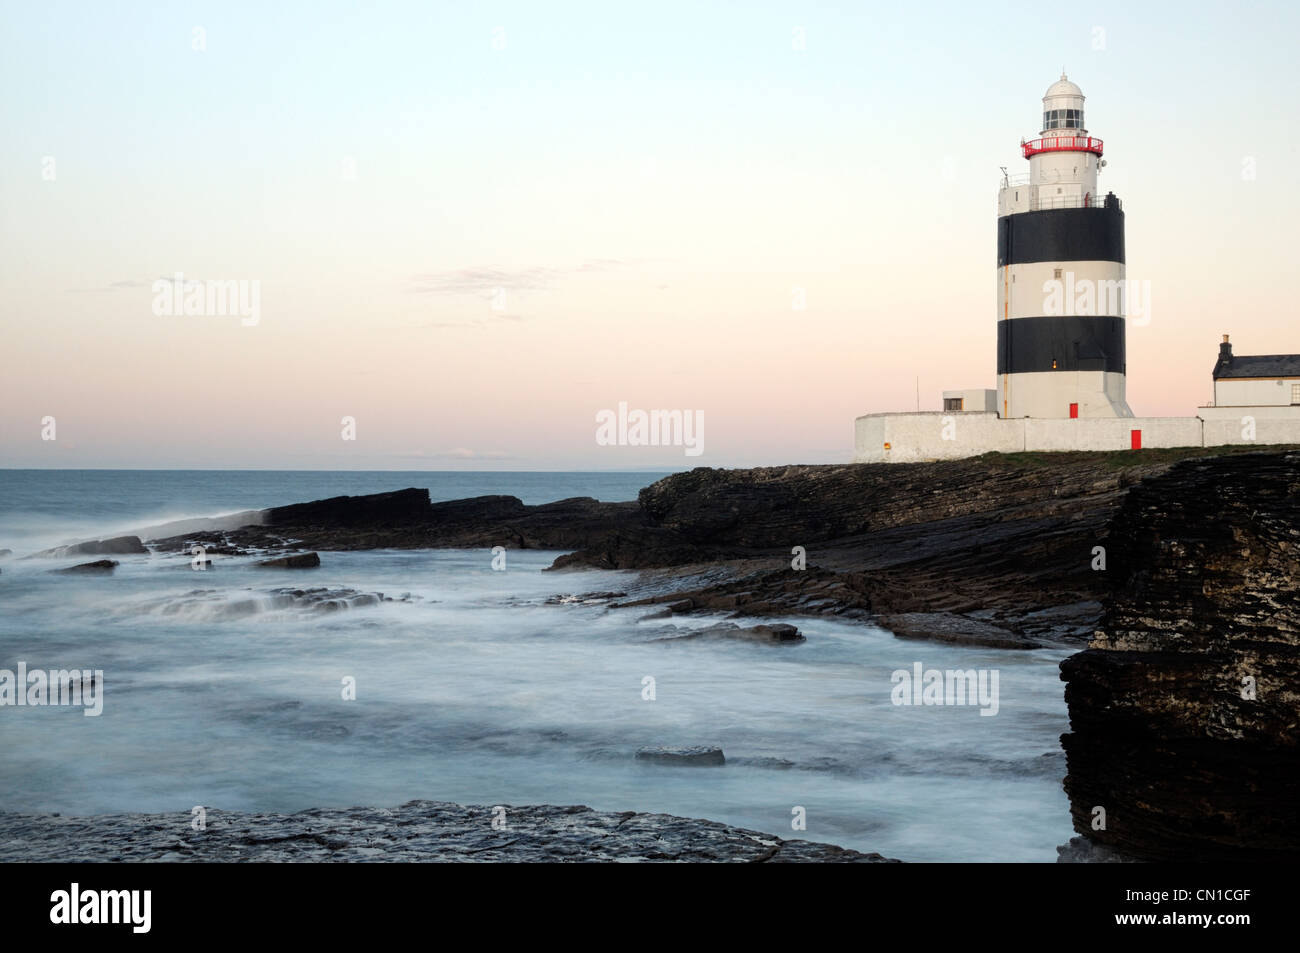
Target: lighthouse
[1061,279]
[1063,303]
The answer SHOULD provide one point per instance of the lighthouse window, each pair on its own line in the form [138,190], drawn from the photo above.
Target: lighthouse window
[1062,118]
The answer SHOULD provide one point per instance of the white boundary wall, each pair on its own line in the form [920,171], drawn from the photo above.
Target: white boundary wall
[917,437]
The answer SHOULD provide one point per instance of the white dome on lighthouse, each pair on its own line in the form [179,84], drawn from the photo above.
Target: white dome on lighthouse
[1063,106]
[1062,87]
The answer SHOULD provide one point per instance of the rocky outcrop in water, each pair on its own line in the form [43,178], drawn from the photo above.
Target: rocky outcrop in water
[405,519]
[416,831]
[117,546]
[296,561]
[994,550]
[778,633]
[223,604]
[98,566]
[1185,708]
[377,510]
[694,756]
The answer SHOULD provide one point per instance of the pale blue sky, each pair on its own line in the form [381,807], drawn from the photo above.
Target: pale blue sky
[689,147]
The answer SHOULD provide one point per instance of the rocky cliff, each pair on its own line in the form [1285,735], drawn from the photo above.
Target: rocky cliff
[1185,708]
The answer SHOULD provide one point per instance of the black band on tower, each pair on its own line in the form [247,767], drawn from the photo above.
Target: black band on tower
[1062,234]
[1066,343]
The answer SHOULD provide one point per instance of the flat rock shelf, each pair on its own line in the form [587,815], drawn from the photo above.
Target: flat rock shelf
[418,831]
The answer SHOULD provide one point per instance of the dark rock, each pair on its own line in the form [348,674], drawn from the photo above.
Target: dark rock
[398,508]
[417,831]
[100,565]
[1000,542]
[117,546]
[768,592]
[1205,562]
[693,755]
[296,561]
[956,629]
[1080,850]
[322,599]
[5,553]
[776,632]
[583,599]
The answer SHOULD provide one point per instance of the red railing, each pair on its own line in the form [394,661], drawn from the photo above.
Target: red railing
[1062,144]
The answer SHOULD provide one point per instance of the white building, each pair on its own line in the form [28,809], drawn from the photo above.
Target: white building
[1266,381]
[1062,302]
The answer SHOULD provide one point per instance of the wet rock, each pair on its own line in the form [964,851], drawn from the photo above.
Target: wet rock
[1080,850]
[1005,539]
[416,831]
[955,629]
[98,566]
[767,592]
[1184,715]
[296,561]
[778,632]
[583,599]
[117,546]
[692,755]
[398,508]
[223,604]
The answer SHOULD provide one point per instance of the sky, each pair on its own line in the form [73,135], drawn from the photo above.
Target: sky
[473,227]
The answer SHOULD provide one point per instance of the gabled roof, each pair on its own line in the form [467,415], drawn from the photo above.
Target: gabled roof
[1262,365]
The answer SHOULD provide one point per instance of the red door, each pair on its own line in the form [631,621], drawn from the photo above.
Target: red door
[1074,411]
[1136,438]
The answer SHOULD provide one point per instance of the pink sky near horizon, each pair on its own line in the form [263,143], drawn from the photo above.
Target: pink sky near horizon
[638,264]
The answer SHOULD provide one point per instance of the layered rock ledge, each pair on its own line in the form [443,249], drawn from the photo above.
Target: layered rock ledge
[416,831]
[992,551]
[1185,707]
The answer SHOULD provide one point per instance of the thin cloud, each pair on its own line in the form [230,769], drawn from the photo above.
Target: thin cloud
[458,453]
[486,281]
[112,286]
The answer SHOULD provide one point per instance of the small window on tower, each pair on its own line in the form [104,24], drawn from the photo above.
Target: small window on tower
[1053,363]
[1056,273]
[1295,393]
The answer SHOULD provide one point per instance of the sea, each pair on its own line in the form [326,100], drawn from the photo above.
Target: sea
[473,684]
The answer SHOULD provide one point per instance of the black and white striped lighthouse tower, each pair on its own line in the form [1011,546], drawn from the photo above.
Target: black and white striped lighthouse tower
[1060,275]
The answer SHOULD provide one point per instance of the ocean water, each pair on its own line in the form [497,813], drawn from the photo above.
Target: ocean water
[470,687]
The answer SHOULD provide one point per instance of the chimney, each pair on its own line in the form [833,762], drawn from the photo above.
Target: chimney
[1225,358]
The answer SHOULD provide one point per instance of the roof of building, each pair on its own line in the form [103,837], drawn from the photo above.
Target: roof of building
[1063,87]
[1261,365]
